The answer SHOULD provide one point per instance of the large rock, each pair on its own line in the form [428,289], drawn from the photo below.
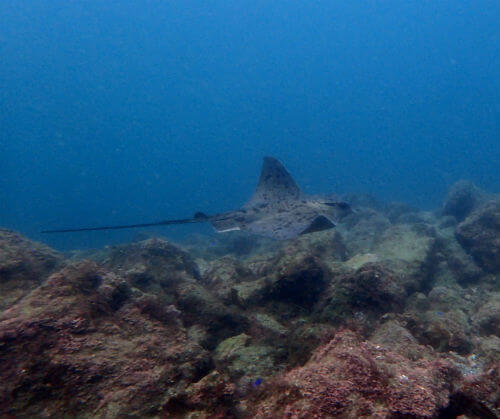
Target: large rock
[444,331]
[463,198]
[24,265]
[170,277]
[245,361]
[327,245]
[364,229]
[152,265]
[487,318]
[221,276]
[79,345]
[296,282]
[392,334]
[370,290]
[454,264]
[479,234]
[352,378]
[409,250]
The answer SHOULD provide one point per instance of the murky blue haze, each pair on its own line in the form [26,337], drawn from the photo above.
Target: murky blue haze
[134,111]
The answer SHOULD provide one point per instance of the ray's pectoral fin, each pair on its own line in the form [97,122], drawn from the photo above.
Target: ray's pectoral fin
[319,223]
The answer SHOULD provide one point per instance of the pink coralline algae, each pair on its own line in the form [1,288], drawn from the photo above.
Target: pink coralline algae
[349,377]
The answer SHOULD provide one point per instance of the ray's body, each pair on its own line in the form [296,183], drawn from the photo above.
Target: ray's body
[277,209]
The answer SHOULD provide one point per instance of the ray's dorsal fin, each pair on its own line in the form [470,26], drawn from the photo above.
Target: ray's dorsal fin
[275,184]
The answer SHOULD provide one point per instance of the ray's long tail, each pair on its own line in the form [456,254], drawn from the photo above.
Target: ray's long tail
[198,218]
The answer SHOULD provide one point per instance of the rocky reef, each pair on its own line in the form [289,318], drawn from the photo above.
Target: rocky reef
[395,314]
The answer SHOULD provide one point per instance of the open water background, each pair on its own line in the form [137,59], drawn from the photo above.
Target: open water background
[118,112]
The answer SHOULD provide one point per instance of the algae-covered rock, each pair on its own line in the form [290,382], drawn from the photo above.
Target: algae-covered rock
[479,234]
[453,265]
[489,348]
[327,245]
[79,346]
[463,198]
[223,274]
[245,361]
[360,260]
[481,392]
[364,233]
[170,278]
[200,306]
[297,281]
[373,285]
[418,301]
[418,217]
[214,395]
[408,251]
[267,327]
[443,330]
[385,316]
[352,378]
[391,334]
[487,318]
[152,265]
[249,293]
[24,265]
[371,289]
[444,298]
[289,282]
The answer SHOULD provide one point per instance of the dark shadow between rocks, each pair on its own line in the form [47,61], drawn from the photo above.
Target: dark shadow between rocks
[461,404]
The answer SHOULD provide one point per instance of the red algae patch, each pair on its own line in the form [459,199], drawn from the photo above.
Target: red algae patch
[349,377]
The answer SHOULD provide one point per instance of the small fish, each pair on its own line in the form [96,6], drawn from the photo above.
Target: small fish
[257,382]
[440,313]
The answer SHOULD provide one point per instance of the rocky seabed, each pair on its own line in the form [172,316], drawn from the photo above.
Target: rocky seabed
[395,314]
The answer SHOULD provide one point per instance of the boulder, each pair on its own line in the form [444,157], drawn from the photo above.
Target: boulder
[463,198]
[410,252]
[152,265]
[479,234]
[245,361]
[79,345]
[170,278]
[223,274]
[24,265]
[364,230]
[352,378]
[443,330]
[487,318]
[357,298]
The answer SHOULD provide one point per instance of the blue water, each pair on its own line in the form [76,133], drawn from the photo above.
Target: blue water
[131,111]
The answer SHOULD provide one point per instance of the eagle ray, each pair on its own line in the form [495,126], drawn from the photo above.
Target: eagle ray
[278,209]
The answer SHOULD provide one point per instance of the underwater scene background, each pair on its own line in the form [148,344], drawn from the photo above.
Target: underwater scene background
[117,112]
[131,112]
